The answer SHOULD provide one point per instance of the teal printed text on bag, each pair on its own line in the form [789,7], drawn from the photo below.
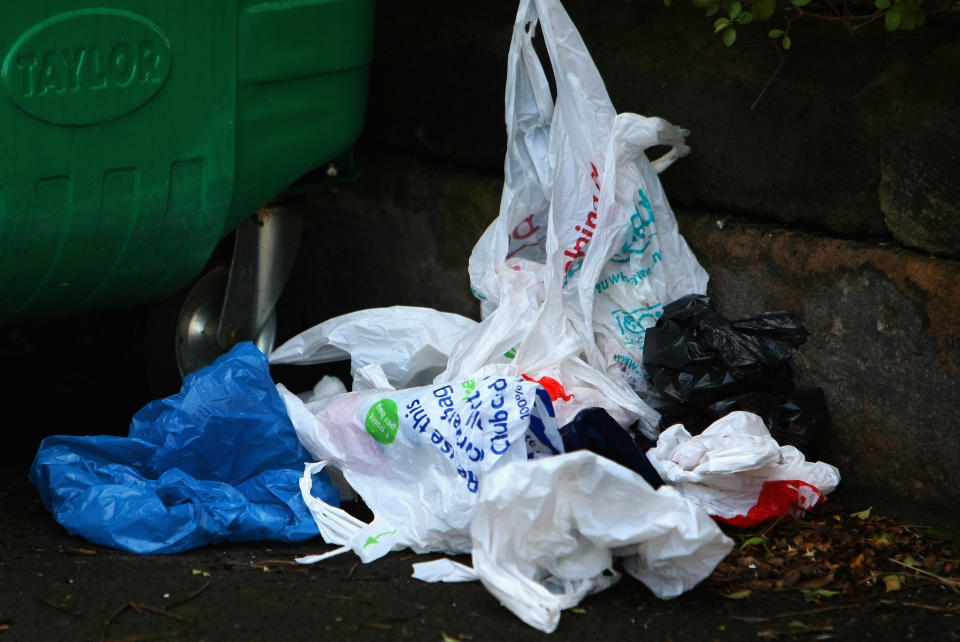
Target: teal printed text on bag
[640,238]
[633,324]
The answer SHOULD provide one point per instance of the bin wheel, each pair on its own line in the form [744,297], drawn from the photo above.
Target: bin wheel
[198,323]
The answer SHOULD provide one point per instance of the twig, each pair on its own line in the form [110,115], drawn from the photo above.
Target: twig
[187,597]
[152,609]
[277,562]
[353,569]
[946,581]
[834,8]
[110,618]
[780,517]
[152,636]
[374,578]
[772,77]
[875,16]
[824,609]
[59,607]
[139,608]
[847,19]
[927,607]
[279,566]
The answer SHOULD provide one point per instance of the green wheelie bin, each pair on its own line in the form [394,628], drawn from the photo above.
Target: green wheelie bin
[135,135]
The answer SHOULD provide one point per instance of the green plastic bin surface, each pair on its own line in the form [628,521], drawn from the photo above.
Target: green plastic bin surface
[134,135]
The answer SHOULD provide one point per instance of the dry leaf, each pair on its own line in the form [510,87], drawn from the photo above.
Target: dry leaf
[864,514]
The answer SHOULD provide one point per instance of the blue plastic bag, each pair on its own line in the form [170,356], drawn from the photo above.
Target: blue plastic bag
[219,461]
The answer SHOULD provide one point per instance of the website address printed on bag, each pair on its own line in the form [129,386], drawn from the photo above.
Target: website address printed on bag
[634,279]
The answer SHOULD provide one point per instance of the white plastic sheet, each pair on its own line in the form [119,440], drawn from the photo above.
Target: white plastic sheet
[410,345]
[547,531]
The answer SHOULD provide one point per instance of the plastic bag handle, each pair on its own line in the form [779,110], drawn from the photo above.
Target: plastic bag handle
[673,136]
[336,525]
[578,79]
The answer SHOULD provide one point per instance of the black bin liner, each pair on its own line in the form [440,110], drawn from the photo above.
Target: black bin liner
[704,366]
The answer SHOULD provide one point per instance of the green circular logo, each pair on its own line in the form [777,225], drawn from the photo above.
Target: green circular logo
[382,421]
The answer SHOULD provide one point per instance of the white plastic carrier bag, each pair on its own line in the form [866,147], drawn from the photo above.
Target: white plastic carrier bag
[738,473]
[584,229]
[547,533]
[411,345]
[417,457]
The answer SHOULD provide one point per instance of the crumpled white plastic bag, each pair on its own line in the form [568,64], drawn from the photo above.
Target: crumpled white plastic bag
[410,345]
[416,457]
[736,471]
[547,531]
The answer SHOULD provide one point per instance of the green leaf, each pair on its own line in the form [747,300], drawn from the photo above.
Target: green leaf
[883,539]
[907,20]
[933,533]
[891,21]
[745,18]
[912,562]
[729,36]
[666,3]
[734,10]
[882,4]
[711,10]
[579,610]
[720,24]
[921,18]
[753,541]
[813,594]
[701,4]
[776,33]
[800,3]
[786,42]
[763,9]
[796,624]
[738,595]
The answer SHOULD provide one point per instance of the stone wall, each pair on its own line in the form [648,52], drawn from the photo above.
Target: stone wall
[836,196]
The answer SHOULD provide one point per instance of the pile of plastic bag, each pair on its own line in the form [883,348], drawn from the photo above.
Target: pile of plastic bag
[599,419]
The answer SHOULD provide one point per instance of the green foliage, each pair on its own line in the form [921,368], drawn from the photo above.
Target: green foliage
[903,15]
[754,541]
[896,15]
[763,9]
[726,27]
